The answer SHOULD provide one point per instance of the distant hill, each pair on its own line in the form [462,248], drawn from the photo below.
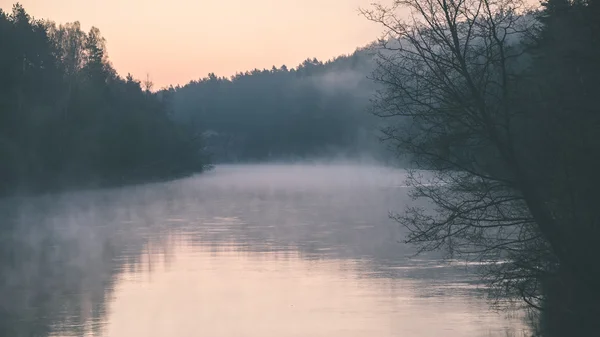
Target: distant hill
[316,109]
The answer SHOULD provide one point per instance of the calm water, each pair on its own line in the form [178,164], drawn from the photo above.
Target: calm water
[262,250]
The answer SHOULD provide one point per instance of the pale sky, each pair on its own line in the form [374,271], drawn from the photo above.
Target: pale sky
[179,40]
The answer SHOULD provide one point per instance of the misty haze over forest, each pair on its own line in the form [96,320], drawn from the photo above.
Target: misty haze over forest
[439,181]
[315,110]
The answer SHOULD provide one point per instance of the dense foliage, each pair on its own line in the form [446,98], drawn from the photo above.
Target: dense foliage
[316,109]
[564,152]
[67,118]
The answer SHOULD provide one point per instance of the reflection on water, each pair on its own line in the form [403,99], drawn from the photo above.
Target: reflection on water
[264,250]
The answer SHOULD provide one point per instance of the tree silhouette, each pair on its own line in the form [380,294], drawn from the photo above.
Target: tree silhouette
[509,157]
[68,119]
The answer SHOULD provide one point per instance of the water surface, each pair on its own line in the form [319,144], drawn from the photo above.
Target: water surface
[249,250]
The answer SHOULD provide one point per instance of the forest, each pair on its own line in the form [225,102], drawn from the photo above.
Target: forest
[315,110]
[67,119]
[496,100]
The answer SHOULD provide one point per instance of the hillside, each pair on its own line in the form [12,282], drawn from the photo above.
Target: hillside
[316,109]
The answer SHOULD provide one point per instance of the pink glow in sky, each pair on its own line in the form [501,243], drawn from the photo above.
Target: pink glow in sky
[178,40]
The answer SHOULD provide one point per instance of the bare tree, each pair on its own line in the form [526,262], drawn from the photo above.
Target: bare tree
[454,75]
[148,84]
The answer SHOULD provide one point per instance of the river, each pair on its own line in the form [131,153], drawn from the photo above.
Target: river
[243,250]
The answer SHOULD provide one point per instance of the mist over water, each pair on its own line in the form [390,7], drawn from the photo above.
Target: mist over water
[243,250]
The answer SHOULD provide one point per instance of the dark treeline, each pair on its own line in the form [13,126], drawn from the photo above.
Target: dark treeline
[316,109]
[68,119]
[564,147]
